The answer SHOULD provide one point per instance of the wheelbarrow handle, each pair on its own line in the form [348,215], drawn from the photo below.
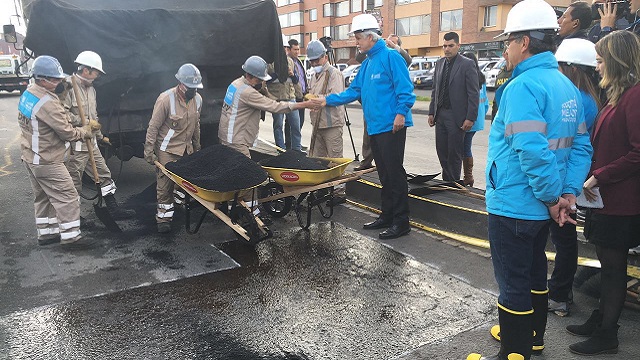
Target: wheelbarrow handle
[92,160]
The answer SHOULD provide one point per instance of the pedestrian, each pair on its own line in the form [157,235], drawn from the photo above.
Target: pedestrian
[300,89]
[328,123]
[45,130]
[615,170]
[174,131]
[454,105]
[610,19]
[577,61]
[394,42]
[89,68]
[283,90]
[386,91]
[483,107]
[538,155]
[243,102]
[575,21]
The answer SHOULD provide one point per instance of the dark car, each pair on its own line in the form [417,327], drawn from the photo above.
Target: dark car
[424,81]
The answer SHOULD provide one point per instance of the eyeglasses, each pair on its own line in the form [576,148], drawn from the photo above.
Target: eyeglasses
[509,40]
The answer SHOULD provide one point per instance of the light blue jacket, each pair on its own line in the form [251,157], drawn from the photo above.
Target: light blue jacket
[590,110]
[539,147]
[483,107]
[384,87]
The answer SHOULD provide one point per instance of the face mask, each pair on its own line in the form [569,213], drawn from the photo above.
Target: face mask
[87,81]
[317,69]
[59,88]
[258,86]
[189,94]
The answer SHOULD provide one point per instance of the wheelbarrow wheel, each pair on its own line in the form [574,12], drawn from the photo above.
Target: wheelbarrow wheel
[247,221]
[276,208]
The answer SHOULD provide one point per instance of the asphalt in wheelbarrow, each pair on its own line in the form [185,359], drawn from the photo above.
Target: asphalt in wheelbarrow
[219,168]
[292,159]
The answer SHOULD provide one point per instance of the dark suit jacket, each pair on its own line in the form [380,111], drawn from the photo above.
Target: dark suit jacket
[464,91]
[616,155]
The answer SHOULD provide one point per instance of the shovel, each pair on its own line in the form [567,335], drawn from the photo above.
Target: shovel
[101,210]
[420,179]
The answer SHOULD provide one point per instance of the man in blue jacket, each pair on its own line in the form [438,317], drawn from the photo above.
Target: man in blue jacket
[386,92]
[539,155]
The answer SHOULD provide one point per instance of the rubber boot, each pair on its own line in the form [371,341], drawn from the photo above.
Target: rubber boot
[588,327]
[516,337]
[467,166]
[117,213]
[602,341]
[540,303]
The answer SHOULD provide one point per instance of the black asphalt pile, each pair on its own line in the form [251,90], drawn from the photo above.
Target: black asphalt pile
[295,160]
[219,168]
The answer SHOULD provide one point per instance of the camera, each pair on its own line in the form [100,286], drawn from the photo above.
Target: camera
[622,10]
[326,41]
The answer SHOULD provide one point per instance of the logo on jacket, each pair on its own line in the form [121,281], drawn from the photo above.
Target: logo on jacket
[570,111]
[375,76]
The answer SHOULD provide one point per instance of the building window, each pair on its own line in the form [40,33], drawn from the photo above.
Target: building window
[313,14]
[371,4]
[326,31]
[313,36]
[327,10]
[287,2]
[291,19]
[342,8]
[490,15]
[451,20]
[299,37]
[403,2]
[356,6]
[343,53]
[414,25]
[340,32]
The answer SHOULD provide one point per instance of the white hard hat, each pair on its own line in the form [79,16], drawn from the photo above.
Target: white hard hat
[256,66]
[189,75]
[315,50]
[577,51]
[90,59]
[530,15]
[364,22]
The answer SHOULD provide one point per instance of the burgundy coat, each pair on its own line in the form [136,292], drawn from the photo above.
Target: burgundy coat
[616,155]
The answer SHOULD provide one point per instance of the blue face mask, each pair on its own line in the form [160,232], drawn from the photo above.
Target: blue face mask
[317,69]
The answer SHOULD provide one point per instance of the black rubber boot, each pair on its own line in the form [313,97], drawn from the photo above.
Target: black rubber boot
[602,341]
[540,302]
[516,337]
[588,327]
[117,213]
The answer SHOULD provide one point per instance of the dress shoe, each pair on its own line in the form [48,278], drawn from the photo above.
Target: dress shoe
[394,232]
[378,224]
[363,167]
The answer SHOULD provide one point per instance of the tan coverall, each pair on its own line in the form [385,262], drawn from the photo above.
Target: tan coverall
[45,130]
[77,161]
[174,130]
[329,122]
[240,117]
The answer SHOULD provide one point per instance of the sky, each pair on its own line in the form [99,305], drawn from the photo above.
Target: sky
[7,8]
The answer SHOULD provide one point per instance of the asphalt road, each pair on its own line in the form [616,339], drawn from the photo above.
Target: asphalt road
[334,292]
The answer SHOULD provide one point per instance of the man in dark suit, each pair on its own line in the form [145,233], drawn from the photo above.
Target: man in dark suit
[454,105]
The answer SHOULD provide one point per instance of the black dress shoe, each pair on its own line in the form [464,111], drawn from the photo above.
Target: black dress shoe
[378,224]
[394,231]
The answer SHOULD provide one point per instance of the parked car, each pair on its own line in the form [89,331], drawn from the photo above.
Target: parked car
[346,73]
[353,75]
[424,81]
[486,65]
[342,66]
[492,74]
[421,65]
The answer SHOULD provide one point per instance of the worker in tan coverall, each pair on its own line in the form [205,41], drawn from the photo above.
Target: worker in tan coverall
[89,68]
[240,118]
[174,131]
[45,129]
[328,123]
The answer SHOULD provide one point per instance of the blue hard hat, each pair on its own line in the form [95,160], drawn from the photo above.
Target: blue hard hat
[47,66]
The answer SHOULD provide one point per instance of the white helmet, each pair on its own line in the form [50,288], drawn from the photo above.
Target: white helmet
[189,75]
[90,59]
[577,51]
[315,50]
[256,66]
[364,22]
[530,15]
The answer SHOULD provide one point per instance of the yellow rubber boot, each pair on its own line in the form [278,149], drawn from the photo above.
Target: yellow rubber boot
[512,356]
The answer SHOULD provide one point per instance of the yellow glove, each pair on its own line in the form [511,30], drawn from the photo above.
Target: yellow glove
[87,132]
[105,140]
[95,125]
[310,96]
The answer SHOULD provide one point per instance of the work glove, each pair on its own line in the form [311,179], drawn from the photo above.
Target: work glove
[149,154]
[95,125]
[87,133]
[105,140]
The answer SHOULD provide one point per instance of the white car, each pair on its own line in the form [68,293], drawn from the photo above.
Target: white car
[348,71]
[492,74]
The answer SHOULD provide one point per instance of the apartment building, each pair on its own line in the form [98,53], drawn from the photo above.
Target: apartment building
[420,23]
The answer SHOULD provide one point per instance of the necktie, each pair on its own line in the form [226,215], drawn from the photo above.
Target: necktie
[445,84]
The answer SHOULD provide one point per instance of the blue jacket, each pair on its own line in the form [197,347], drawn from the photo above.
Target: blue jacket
[483,107]
[383,86]
[539,147]
[590,110]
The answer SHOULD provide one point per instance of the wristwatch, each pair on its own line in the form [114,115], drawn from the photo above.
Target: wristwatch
[607,28]
[552,203]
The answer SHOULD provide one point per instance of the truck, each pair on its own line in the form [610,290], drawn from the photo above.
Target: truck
[143,43]
[11,75]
